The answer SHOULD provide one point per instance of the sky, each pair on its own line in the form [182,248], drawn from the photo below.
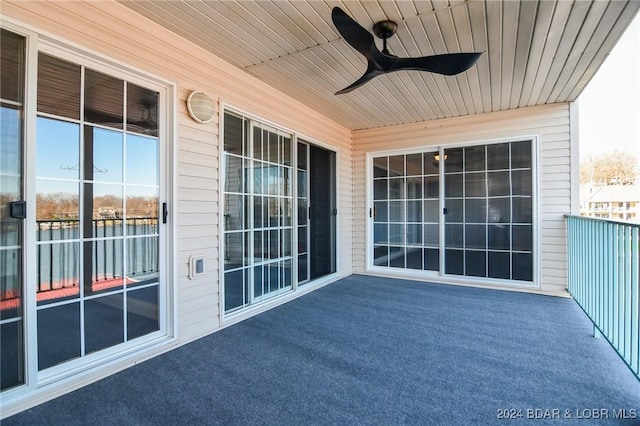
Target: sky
[609,107]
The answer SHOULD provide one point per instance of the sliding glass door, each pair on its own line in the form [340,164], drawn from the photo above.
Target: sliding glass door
[465,211]
[262,167]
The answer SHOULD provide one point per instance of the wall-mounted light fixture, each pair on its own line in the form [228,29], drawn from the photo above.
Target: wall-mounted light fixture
[201,107]
[437,157]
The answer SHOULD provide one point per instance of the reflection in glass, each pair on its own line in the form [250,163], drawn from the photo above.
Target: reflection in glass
[142,209]
[498,156]
[58,149]
[233,179]
[103,322]
[521,155]
[499,210]
[142,160]
[475,185]
[11,283]
[10,228]
[522,210]
[57,272]
[142,312]
[57,210]
[396,188]
[58,334]
[498,184]
[475,263]
[499,265]
[103,268]
[381,211]
[381,255]
[10,140]
[522,266]
[521,182]
[142,261]
[380,167]
[233,250]
[103,155]
[233,212]
[142,110]
[396,165]
[380,189]
[105,211]
[58,87]
[474,159]
[103,99]
[414,165]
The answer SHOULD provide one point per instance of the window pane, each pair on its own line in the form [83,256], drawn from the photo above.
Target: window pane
[396,233]
[499,210]
[380,189]
[522,237]
[522,266]
[142,160]
[396,188]
[12,66]
[11,283]
[414,211]
[454,262]
[104,205]
[302,156]
[380,167]
[431,187]
[58,149]
[103,151]
[475,263]
[58,334]
[381,255]
[432,259]
[498,156]
[10,228]
[58,272]
[233,135]
[397,257]
[474,159]
[381,211]
[414,188]
[302,268]
[453,185]
[499,237]
[233,212]
[431,165]
[455,211]
[521,182]
[103,322]
[57,210]
[453,160]
[396,211]
[103,99]
[475,211]
[475,185]
[521,155]
[453,236]
[142,312]
[414,258]
[10,140]
[414,234]
[499,265]
[432,235]
[498,184]
[233,250]
[103,266]
[272,144]
[475,236]
[431,211]
[396,165]
[414,164]
[522,210]
[11,353]
[142,210]
[286,151]
[58,87]
[142,110]
[142,261]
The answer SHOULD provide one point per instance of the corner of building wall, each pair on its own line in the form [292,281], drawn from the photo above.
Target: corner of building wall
[574,138]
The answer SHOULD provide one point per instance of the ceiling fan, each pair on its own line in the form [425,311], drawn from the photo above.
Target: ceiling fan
[382,62]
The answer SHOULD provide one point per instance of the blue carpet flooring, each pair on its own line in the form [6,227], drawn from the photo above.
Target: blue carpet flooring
[369,350]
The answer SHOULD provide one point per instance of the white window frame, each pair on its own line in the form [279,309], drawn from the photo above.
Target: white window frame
[42,385]
[226,319]
[440,276]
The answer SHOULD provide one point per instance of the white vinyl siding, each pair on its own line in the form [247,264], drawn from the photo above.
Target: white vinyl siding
[552,126]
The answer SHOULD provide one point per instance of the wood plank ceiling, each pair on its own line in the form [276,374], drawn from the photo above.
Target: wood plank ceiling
[535,52]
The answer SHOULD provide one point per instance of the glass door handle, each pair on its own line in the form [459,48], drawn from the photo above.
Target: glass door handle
[18,209]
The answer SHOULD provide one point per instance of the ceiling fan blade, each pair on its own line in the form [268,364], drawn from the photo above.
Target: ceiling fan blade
[447,64]
[354,34]
[368,75]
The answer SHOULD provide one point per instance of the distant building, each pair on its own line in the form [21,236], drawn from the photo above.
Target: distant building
[615,202]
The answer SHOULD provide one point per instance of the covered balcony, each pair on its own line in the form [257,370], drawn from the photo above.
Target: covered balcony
[355,352]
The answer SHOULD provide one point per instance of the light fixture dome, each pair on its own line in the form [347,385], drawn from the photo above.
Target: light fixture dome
[201,107]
